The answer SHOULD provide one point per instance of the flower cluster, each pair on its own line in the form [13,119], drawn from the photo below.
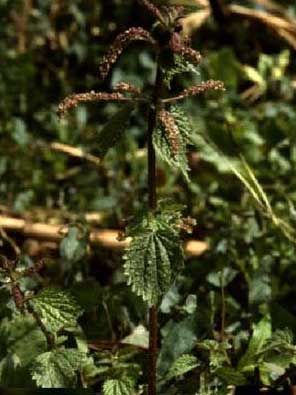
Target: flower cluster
[126,87]
[179,48]
[187,224]
[76,98]
[121,41]
[203,87]
[171,129]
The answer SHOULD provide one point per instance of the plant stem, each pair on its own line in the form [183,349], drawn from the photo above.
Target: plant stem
[153,329]
[49,337]
[20,302]
[153,325]
[223,307]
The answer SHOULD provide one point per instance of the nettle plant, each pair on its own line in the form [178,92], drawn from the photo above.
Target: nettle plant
[154,255]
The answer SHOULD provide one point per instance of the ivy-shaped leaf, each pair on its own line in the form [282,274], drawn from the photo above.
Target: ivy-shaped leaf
[73,246]
[174,158]
[139,337]
[261,333]
[153,257]
[180,338]
[57,368]
[184,364]
[57,308]
[122,386]
[113,130]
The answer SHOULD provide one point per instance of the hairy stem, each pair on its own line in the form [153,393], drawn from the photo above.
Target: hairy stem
[20,302]
[152,119]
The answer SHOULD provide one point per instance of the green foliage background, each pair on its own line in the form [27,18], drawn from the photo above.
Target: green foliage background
[54,51]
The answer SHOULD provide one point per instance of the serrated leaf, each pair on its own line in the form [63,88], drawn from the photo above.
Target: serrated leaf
[57,308]
[184,364]
[152,259]
[261,333]
[74,244]
[113,130]
[163,147]
[57,368]
[218,352]
[122,386]
[176,66]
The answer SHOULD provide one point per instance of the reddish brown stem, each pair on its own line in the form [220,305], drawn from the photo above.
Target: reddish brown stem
[153,335]
[153,325]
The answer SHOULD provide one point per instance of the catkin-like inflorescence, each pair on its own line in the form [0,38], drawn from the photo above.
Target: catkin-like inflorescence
[180,48]
[126,87]
[203,87]
[73,100]
[171,130]
[121,41]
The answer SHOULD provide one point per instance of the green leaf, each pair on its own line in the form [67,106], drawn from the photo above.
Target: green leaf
[122,386]
[20,133]
[139,337]
[190,304]
[184,364]
[153,257]
[57,368]
[57,308]
[279,351]
[179,338]
[230,375]
[73,246]
[218,352]
[163,147]
[22,337]
[261,333]
[222,278]
[176,65]
[113,130]
[170,299]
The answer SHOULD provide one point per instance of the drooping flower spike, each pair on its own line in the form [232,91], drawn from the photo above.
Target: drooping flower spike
[76,98]
[198,89]
[126,87]
[119,44]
